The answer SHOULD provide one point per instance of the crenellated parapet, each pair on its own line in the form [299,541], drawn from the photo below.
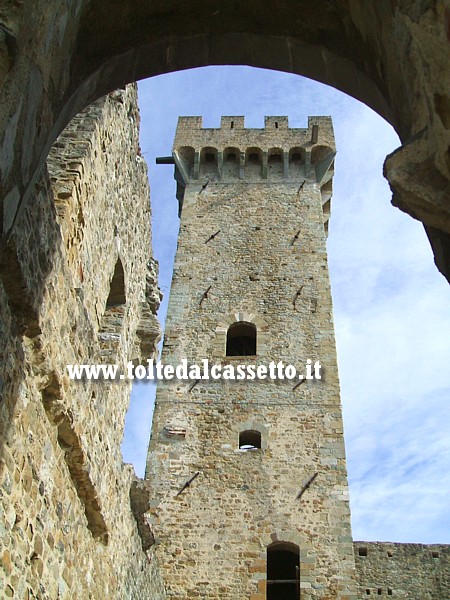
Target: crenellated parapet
[273,154]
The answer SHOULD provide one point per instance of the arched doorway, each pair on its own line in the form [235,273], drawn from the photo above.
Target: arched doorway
[283,571]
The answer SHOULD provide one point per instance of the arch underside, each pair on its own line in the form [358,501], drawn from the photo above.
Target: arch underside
[393,56]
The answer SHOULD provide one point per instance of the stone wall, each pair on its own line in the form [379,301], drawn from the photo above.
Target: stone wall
[409,571]
[71,512]
[251,249]
[254,204]
[78,284]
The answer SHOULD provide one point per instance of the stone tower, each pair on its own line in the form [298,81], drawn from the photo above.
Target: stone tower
[248,478]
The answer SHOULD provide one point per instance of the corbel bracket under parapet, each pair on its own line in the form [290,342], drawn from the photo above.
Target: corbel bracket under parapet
[323,172]
[182,178]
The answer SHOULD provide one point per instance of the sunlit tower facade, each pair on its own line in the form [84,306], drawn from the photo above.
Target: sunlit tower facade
[248,477]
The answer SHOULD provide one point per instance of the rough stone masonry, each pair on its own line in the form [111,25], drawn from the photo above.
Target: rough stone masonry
[268,194]
[242,470]
[56,57]
[71,520]
[78,284]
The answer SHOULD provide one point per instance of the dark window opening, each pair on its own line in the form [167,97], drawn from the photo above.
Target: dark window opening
[253,158]
[389,592]
[231,157]
[275,158]
[367,592]
[435,554]
[380,591]
[276,124]
[241,339]
[110,331]
[283,571]
[250,440]
[210,158]
[362,551]
[231,124]
[117,287]
[296,157]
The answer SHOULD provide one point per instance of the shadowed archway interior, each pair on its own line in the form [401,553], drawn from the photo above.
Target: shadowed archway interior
[109,44]
[283,571]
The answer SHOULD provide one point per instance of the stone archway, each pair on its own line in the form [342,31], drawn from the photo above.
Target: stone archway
[56,56]
[393,55]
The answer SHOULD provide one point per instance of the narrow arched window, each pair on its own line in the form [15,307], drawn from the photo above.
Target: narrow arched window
[117,295]
[283,571]
[241,339]
[250,440]
[110,331]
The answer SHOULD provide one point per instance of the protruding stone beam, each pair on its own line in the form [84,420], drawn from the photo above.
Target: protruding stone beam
[165,160]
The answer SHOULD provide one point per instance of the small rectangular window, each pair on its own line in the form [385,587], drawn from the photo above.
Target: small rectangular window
[362,551]
[249,440]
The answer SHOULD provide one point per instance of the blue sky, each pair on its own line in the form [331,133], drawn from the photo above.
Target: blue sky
[390,303]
